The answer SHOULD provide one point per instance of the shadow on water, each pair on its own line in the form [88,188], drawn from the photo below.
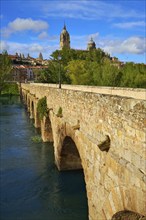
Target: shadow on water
[9,99]
[31,187]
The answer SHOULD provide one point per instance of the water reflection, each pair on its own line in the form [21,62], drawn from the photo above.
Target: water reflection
[31,186]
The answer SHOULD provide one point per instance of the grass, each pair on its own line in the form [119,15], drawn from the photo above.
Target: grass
[10,89]
[36,139]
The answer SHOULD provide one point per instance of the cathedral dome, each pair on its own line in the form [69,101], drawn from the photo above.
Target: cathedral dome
[91,44]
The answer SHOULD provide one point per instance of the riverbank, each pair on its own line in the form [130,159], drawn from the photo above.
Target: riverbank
[10,89]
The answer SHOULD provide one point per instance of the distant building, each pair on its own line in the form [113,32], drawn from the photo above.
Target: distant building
[64,38]
[28,60]
[22,73]
[65,43]
[40,56]
[27,68]
[91,44]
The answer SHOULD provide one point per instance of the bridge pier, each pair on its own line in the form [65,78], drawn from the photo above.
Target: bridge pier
[28,102]
[37,121]
[46,130]
[31,109]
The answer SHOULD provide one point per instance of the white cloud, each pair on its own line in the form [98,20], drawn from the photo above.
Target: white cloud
[54,38]
[132,45]
[130,24]
[4,46]
[43,35]
[20,24]
[33,49]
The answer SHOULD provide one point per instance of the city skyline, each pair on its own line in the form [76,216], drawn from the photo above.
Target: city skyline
[35,26]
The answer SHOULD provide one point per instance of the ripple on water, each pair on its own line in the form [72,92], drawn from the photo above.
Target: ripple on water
[31,186]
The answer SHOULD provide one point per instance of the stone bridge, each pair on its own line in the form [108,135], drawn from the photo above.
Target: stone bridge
[102,131]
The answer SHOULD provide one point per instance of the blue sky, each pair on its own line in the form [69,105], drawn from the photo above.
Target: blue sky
[34,26]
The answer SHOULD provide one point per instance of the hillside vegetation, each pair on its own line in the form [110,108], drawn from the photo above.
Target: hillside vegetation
[92,68]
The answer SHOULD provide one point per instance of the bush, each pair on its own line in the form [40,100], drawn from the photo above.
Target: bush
[36,139]
[42,108]
[10,89]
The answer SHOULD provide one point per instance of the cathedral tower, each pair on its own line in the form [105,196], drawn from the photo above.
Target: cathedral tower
[64,38]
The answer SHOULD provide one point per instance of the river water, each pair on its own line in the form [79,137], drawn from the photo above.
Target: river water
[31,187]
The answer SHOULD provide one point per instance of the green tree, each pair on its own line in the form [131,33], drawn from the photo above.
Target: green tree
[51,74]
[5,70]
[93,67]
[111,75]
[134,75]
[105,74]
[96,55]
[78,71]
[140,79]
[37,73]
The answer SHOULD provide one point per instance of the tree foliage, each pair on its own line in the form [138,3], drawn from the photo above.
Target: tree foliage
[93,67]
[106,74]
[134,75]
[5,69]
[42,107]
[51,74]
[10,89]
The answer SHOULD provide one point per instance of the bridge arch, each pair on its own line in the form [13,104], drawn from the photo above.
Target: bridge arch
[126,214]
[67,152]
[122,204]
[69,156]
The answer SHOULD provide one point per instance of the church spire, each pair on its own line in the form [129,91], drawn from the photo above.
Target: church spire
[64,38]
[64,26]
